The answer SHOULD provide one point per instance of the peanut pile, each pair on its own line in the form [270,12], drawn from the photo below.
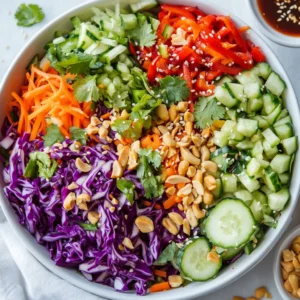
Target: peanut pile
[259,293]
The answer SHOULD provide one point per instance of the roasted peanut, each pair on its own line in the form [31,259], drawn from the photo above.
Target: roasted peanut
[176,218]
[210,182]
[186,227]
[208,197]
[93,217]
[170,226]
[117,170]
[82,166]
[144,224]
[162,112]
[127,243]
[183,167]
[173,112]
[69,202]
[182,106]
[175,281]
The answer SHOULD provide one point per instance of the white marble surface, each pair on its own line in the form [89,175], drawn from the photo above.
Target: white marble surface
[13,38]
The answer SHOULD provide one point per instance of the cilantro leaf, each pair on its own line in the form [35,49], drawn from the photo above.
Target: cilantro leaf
[52,136]
[173,89]
[78,134]
[206,112]
[28,15]
[85,89]
[144,35]
[127,188]
[167,255]
[119,99]
[31,170]
[148,172]
[47,172]
[128,128]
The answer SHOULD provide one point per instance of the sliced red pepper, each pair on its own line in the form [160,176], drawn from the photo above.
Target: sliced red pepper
[163,23]
[185,24]
[234,70]
[152,70]
[177,10]
[208,21]
[191,106]
[187,76]
[195,10]
[235,32]
[132,49]
[146,64]
[184,52]
[211,75]
[161,15]
[222,32]
[202,86]
[257,54]
[162,65]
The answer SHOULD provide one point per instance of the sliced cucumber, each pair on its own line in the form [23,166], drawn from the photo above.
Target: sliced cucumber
[244,195]
[224,79]
[168,31]
[247,127]
[285,178]
[223,96]
[221,138]
[264,70]
[193,263]
[229,183]
[275,84]
[271,137]
[235,90]
[269,151]
[143,5]
[270,103]
[112,54]
[129,21]
[250,184]
[230,224]
[257,149]
[218,191]
[248,77]
[231,253]
[255,104]
[284,120]
[277,201]
[281,163]
[290,145]
[253,167]
[284,131]
[272,117]
[252,90]
[262,123]
[272,180]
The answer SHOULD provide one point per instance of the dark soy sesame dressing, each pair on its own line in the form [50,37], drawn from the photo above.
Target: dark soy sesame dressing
[282,15]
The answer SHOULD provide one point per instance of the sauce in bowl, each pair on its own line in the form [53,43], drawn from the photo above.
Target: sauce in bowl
[281,15]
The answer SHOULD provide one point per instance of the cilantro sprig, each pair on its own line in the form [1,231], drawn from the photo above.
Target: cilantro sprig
[52,136]
[206,112]
[28,15]
[144,35]
[85,89]
[127,188]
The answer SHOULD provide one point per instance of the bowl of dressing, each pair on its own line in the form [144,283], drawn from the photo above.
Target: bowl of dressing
[279,20]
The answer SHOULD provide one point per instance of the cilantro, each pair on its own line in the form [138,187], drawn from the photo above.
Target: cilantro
[173,89]
[28,15]
[52,136]
[127,188]
[128,128]
[88,227]
[78,134]
[85,89]
[167,255]
[40,165]
[206,112]
[119,99]
[144,35]
[147,172]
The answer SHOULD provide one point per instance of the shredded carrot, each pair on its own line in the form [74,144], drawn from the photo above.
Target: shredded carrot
[151,141]
[244,28]
[46,66]
[48,95]
[171,201]
[148,203]
[159,287]
[171,171]
[105,116]
[160,273]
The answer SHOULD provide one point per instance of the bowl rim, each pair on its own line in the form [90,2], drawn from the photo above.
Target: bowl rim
[175,294]
[277,257]
[268,31]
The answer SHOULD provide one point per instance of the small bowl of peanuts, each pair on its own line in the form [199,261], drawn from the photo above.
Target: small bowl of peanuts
[287,266]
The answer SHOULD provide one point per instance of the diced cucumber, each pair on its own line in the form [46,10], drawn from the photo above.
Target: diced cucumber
[245,145]
[143,5]
[284,120]
[76,23]
[277,201]
[275,84]
[256,209]
[229,183]
[168,31]
[272,180]
[281,163]
[235,90]
[255,104]
[231,253]
[193,263]
[93,32]
[270,102]
[231,114]
[248,77]
[224,97]
[244,195]
[262,123]
[109,42]
[218,191]
[230,224]
[269,221]
[271,137]
[97,48]
[290,145]
[264,70]
[284,113]
[112,54]
[284,131]
[228,126]
[269,151]
[257,149]
[236,135]
[163,50]
[260,158]
[154,23]
[250,184]
[224,150]
[122,68]
[272,117]
[129,21]
[285,178]
[224,79]
[84,41]
[252,90]
[253,167]
[247,127]
[220,138]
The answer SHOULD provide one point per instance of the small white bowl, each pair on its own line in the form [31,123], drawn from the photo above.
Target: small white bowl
[268,31]
[277,267]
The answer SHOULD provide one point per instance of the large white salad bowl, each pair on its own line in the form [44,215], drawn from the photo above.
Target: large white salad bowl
[13,81]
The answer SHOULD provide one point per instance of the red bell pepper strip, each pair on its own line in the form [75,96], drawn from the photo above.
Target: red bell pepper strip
[201,84]
[184,52]
[132,49]
[195,10]
[235,32]
[187,76]
[161,15]
[152,70]
[208,21]
[211,75]
[177,10]
[257,54]
[185,24]
[222,32]
[234,70]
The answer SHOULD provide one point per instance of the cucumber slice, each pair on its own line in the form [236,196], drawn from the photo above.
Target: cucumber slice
[250,184]
[248,77]
[229,183]
[284,131]
[285,178]
[231,114]
[230,224]
[264,70]
[129,21]
[271,137]
[281,163]
[224,79]
[284,120]
[253,167]
[257,149]
[143,5]
[290,145]
[154,23]
[272,180]
[218,191]
[275,84]
[245,145]
[228,126]
[112,54]
[271,118]
[269,151]
[167,32]
[255,104]
[223,96]
[270,103]
[252,90]
[193,263]
[266,190]
[277,201]
[163,50]
[235,90]
[84,41]
[97,49]
[256,210]
[220,138]
[247,127]
[231,253]
[244,195]
[262,123]
[284,113]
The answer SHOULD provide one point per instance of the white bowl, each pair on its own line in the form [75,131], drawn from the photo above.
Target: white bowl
[14,79]
[268,31]
[285,244]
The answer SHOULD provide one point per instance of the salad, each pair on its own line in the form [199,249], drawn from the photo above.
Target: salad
[149,147]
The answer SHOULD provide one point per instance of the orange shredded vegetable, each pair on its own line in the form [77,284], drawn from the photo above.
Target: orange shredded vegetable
[151,141]
[159,287]
[48,96]
[160,273]
[172,201]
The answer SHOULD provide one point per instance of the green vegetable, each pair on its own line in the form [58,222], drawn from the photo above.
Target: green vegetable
[173,89]
[40,165]
[206,112]
[28,15]
[118,100]
[144,35]
[85,89]
[128,128]
[88,227]
[52,136]
[127,188]
[78,134]
[167,255]
[148,173]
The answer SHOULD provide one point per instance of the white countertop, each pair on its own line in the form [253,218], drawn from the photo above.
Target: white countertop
[13,39]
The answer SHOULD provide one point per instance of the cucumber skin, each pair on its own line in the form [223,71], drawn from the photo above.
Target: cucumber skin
[180,256]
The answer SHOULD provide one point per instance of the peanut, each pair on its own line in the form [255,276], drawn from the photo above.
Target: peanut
[182,106]
[127,243]
[176,218]
[210,182]
[117,170]
[170,226]
[183,167]
[186,227]
[144,224]
[175,281]
[82,166]
[69,202]
[162,112]
[173,112]
[188,117]
[93,217]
